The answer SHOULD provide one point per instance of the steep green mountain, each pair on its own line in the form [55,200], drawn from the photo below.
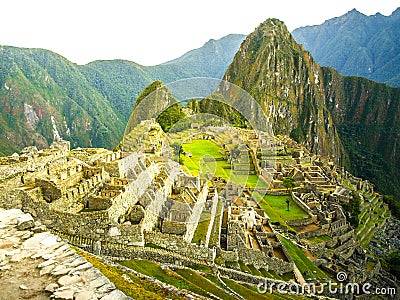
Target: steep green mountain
[356,44]
[286,81]
[155,101]
[121,81]
[367,117]
[118,81]
[44,96]
[344,117]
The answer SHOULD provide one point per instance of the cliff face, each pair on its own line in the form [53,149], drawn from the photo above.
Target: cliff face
[367,116]
[43,97]
[285,80]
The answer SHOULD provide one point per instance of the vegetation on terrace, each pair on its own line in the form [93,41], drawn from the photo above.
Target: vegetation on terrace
[137,288]
[276,208]
[207,156]
[306,267]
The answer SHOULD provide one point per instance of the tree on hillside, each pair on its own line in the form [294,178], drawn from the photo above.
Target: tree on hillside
[235,152]
[289,183]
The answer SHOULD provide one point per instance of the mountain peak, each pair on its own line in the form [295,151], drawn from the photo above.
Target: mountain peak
[354,12]
[283,78]
[396,13]
[271,24]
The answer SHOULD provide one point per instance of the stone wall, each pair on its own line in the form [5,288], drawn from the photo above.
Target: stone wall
[135,214]
[173,227]
[303,206]
[49,190]
[127,252]
[99,203]
[301,222]
[230,256]
[260,260]
[179,245]
[94,225]
[248,278]
[213,211]
[121,204]
[194,218]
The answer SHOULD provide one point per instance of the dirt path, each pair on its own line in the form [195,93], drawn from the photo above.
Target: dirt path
[22,281]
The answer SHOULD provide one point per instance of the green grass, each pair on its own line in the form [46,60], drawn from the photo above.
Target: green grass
[181,278]
[270,274]
[203,283]
[215,280]
[230,264]
[320,239]
[154,246]
[208,149]
[202,227]
[276,208]
[244,267]
[255,271]
[376,217]
[215,230]
[250,292]
[167,276]
[301,260]
[202,268]
[138,288]
[245,292]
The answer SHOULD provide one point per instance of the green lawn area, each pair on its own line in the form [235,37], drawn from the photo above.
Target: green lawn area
[320,239]
[244,268]
[210,151]
[276,208]
[215,229]
[202,227]
[204,149]
[181,278]
[301,260]
[255,271]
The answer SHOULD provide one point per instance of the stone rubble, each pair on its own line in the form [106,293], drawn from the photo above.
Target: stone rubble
[72,277]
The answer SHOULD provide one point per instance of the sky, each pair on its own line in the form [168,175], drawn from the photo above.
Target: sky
[155,31]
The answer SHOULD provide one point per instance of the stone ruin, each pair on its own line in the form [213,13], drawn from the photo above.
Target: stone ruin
[117,201]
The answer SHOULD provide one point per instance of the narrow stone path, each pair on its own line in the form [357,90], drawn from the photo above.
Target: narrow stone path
[35,264]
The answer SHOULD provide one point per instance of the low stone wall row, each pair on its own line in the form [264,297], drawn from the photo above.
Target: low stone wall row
[126,252]
[178,245]
[244,277]
[258,259]
[300,222]
[94,225]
